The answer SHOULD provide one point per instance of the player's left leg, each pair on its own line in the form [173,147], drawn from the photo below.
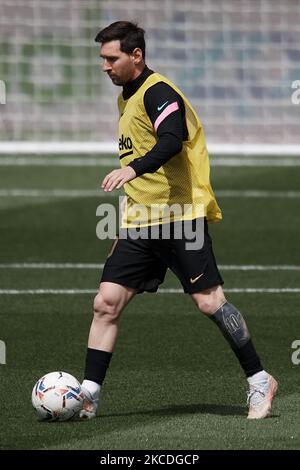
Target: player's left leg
[262,386]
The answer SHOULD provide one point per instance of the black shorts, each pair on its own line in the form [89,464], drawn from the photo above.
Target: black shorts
[142,264]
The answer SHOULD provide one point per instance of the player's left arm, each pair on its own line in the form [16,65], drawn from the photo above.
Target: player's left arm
[166,110]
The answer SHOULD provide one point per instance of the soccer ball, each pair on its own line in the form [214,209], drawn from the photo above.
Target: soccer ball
[57,396]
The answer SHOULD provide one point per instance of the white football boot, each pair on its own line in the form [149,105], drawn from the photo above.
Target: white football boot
[262,389]
[89,407]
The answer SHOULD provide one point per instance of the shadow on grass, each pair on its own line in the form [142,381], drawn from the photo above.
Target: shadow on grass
[173,410]
[45,435]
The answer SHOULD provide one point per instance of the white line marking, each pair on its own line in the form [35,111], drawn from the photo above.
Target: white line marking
[270,290]
[248,193]
[223,267]
[68,193]
[63,147]
[258,194]
[52,193]
[114,162]
[255,162]
[46,291]
[50,266]
[286,290]
[59,161]
[246,290]
[111,147]
[259,267]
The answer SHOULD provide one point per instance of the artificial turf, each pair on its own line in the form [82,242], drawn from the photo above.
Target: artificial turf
[173,382]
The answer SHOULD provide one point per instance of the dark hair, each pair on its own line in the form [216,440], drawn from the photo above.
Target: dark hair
[129,35]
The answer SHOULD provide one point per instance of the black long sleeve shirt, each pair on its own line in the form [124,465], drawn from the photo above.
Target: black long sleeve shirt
[171,131]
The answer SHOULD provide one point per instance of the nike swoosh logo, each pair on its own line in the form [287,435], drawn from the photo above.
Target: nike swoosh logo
[159,108]
[192,281]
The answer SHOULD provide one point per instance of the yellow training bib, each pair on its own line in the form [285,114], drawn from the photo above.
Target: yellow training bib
[181,187]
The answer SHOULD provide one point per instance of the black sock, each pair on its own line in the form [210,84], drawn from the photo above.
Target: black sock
[248,359]
[96,365]
[235,331]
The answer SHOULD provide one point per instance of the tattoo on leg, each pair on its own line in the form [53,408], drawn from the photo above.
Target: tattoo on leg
[232,325]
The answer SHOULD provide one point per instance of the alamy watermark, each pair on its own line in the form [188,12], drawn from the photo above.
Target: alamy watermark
[296,354]
[296,94]
[2,352]
[156,221]
[2,92]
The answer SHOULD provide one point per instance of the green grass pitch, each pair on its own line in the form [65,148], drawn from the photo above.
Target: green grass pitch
[173,382]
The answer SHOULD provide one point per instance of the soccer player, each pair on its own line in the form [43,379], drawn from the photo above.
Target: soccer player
[164,162]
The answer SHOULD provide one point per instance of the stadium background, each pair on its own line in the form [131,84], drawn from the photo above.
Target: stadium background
[235,59]
[177,386]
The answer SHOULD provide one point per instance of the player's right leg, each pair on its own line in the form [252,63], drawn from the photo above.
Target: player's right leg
[130,268]
[108,304]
